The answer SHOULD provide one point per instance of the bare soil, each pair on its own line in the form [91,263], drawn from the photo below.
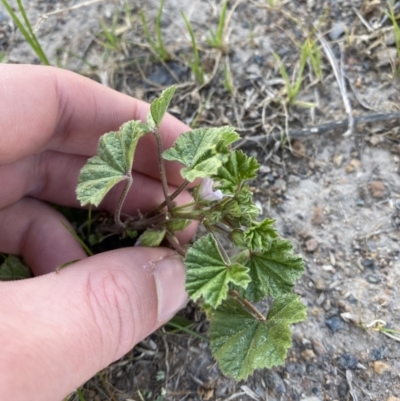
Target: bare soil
[336,196]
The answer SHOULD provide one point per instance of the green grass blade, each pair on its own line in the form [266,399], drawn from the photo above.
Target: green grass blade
[196,64]
[221,24]
[27,32]
[80,394]
[186,330]
[146,31]
[75,235]
[161,48]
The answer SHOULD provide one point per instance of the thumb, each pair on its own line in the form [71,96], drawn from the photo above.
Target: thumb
[60,329]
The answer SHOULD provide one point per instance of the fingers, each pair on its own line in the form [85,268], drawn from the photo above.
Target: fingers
[36,231]
[53,176]
[82,319]
[63,111]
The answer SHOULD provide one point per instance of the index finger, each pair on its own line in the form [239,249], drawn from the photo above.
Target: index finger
[45,108]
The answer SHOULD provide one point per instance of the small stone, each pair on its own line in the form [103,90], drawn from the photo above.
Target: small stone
[369,263]
[298,148]
[319,284]
[377,354]
[308,355]
[311,245]
[337,160]
[381,367]
[348,361]
[336,31]
[360,202]
[353,165]
[335,323]
[318,217]
[280,185]
[318,347]
[386,56]
[264,169]
[377,189]
[293,180]
[373,279]
[275,382]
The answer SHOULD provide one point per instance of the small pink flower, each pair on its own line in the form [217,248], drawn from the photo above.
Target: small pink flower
[206,191]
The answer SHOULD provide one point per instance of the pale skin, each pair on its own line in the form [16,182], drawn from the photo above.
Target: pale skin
[58,330]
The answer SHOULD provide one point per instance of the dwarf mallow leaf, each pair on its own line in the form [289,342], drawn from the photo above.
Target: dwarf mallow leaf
[112,164]
[237,169]
[273,272]
[260,235]
[13,269]
[241,343]
[201,151]
[151,237]
[208,275]
[160,105]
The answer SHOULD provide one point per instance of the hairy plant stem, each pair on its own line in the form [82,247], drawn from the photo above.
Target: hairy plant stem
[248,305]
[163,175]
[144,223]
[121,200]
[172,197]
[173,241]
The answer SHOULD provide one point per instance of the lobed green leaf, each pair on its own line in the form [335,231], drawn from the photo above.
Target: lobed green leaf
[112,164]
[273,272]
[237,169]
[201,151]
[260,235]
[208,275]
[152,237]
[13,269]
[241,343]
[160,105]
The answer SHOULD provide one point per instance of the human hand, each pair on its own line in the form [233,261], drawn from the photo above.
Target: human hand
[57,331]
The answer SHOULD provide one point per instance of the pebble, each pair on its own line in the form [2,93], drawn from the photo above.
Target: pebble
[337,160]
[377,189]
[348,361]
[377,354]
[386,56]
[369,263]
[353,165]
[381,367]
[295,368]
[319,284]
[298,148]
[373,279]
[275,382]
[311,245]
[337,30]
[280,185]
[318,217]
[308,355]
[335,323]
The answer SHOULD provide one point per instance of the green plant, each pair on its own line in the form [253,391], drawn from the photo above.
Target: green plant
[217,38]
[157,44]
[195,65]
[226,282]
[309,51]
[26,29]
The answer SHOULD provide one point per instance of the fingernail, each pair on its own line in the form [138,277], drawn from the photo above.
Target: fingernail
[169,275]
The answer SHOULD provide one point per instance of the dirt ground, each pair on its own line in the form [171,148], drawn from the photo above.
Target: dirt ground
[335,195]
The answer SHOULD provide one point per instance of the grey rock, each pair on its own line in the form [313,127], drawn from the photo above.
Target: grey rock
[275,382]
[373,279]
[337,30]
[348,361]
[376,354]
[335,323]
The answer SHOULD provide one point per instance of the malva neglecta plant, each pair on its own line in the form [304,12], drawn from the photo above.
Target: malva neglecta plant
[226,282]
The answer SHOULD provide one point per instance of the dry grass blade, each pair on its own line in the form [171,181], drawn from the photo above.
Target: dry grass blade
[339,75]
